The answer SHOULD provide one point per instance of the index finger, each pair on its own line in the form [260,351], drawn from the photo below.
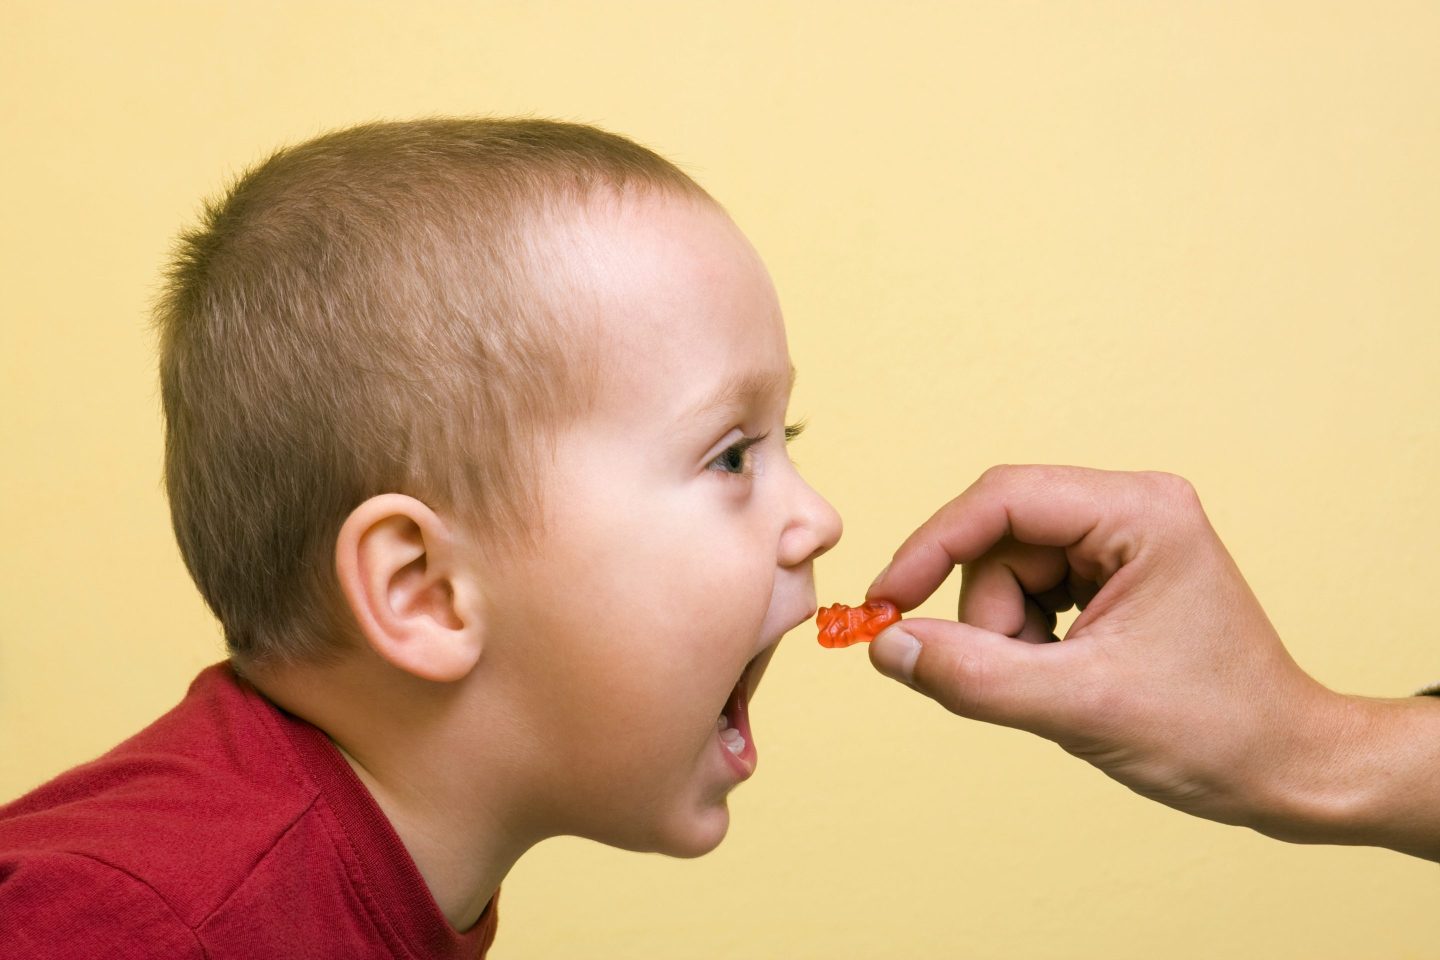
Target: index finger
[1040,505]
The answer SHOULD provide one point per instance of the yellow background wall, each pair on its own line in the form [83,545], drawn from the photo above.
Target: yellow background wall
[1200,237]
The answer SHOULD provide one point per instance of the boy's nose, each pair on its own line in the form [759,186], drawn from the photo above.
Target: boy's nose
[814,527]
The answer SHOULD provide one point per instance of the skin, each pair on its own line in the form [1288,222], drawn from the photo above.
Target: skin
[1172,680]
[501,698]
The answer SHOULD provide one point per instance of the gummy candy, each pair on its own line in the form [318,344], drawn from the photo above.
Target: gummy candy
[841,625]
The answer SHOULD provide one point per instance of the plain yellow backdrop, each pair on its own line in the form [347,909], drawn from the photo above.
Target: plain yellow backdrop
[1199,237]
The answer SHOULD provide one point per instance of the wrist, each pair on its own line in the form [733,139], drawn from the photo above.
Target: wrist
[1358,770]
[1314,787]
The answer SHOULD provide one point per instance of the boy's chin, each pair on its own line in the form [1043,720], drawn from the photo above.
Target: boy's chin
[698,843]
[686,837]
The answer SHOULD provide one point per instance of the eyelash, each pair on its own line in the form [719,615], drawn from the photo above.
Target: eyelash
[742,446]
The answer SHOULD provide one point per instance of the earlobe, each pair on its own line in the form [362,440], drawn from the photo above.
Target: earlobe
[413,598]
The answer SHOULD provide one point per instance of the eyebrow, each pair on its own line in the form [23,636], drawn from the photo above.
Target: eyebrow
[740,390]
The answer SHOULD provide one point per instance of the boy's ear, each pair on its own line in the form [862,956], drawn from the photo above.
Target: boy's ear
[415,600]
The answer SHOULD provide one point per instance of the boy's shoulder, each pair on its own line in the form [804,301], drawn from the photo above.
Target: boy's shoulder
[210,775]
[165,828]
[225,828]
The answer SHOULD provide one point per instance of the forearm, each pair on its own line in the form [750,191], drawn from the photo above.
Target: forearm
[1365,772]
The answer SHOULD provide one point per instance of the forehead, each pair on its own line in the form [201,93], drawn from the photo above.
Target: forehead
[684,316]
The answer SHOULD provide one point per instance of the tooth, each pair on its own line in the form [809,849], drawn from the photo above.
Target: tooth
[736,746]
[723,722]
[730,735]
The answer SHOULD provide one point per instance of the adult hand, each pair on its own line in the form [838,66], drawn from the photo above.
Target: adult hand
[1171,680]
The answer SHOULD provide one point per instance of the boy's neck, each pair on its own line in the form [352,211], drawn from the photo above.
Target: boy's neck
[462,878]
[406,741]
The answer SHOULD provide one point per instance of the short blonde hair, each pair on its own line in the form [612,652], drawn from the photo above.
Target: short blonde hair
[362,314]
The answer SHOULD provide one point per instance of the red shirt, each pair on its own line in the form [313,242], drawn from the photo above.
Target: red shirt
[226,829]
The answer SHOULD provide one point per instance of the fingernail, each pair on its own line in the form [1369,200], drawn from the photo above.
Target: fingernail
[894,653]
[880,576]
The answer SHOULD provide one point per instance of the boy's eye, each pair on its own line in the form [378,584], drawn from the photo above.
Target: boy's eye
[736,458]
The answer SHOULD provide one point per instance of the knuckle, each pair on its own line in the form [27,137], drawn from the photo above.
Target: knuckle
[1172,493]
[1093,695]
[996,475]
[962,681]
[1097,698]
[1003,479]
[1175,487]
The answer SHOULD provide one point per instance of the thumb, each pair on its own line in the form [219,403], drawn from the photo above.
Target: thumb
[975,673]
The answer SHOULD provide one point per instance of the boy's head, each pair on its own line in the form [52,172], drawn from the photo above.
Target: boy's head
[373,310]
[458,330]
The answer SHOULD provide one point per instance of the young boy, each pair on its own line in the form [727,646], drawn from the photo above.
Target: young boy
[476,447]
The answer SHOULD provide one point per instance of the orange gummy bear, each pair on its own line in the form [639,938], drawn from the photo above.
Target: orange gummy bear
[841,626]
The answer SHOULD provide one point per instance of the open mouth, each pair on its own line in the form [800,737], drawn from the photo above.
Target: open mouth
[732,727]
[733,724]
